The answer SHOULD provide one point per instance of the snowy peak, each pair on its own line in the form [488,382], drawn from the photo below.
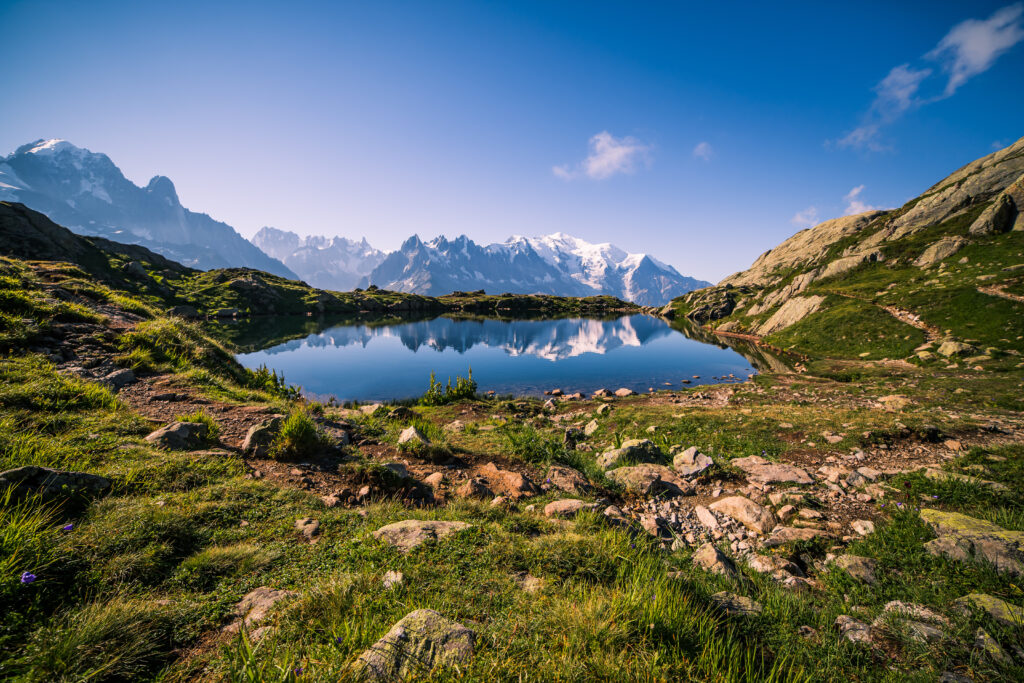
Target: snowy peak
[335,263]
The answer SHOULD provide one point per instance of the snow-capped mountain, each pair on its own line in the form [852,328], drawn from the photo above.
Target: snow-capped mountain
[329,263]
[87,193]
[554,264]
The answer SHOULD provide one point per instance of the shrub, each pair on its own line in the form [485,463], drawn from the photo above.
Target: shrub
[438,395]
[299,436]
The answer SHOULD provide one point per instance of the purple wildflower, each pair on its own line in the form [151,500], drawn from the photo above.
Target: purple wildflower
[67,527]
[298,671]
[27,577]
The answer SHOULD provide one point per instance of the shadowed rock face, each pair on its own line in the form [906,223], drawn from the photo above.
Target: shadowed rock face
[419,642]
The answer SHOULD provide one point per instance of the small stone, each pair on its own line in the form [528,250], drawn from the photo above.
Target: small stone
[591,427]
[860,568]
[711,559]
[392,579]
[853,630]
[737,605]
[566,508]
[310,529]
[412,436]
[863,527]
[474,488]
[410,533]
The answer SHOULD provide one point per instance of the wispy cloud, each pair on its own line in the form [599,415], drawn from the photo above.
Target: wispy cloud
[854,204]
[704,151]
[805,218]
[608,156]
[970,48]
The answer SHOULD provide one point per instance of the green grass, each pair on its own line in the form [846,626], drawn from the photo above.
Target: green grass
[299,436]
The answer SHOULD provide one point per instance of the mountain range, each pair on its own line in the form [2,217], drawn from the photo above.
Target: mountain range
[89,194]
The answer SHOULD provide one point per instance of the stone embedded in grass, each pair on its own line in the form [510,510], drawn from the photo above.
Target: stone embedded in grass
[632,451]
[863,527]
[508,482]
[567,479]
[410,533]
[1005,613]
[852,630]
[419,642]
[860,568]
[778,567]
[590,428]
[474,488]
[50,484]
[412,437]
[651,480]
[746,512]
[967,539]
[990,646]
[309,528]
[942,475]
[260,437]
[691,462]
[566,508]
[434,480]
[711,559]
[119,379]
[915,621]
[180,436]
[736,605]
[788,534]
[954,348]
[255,605]
[603,409]
[392,579]
[765,472]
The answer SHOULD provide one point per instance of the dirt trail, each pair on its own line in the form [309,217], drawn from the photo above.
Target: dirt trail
[997,290]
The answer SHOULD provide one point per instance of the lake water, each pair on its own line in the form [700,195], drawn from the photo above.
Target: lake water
[367,361]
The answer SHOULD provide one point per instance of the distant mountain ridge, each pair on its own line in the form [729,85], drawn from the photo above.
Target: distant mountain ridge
[329,263]
[88,193]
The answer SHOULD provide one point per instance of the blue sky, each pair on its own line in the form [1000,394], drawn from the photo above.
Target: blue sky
[703,135]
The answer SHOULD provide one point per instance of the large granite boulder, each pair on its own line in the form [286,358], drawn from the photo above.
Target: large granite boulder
[745,511]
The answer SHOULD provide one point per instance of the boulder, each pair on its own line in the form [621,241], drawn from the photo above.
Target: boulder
[706,517]
[787,534]
[567,479]
[943,249]
[765,472]
[1005,613]
[651,480]
[418,643]
[746,512]
[736,605]
[118,379]
[508,483]
[260,437]
[411,436]
[566,508]
[623,392]
[590,428]
[997,218]
[408,534]
[967,539]
[691,462]
[954,348]
[50,484]
[135,269]
[860,568]
[180,436]
[852,630]
[631,452]
[778,567]
[474,488]
[711,559]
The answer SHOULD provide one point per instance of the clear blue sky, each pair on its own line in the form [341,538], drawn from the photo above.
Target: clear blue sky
[703,135]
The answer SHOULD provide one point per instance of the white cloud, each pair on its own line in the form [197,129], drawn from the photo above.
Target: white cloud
[704,151]
[972,46]
[805,218]
[608,156]
[854,205]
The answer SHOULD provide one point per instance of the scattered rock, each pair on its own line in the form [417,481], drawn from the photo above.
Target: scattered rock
[419,642]
[408,534]
[788,534]
[706,517]
[434,480]
[474,488]
[778,567]
[710,558]
[392,579]
[51,484]
[942,475]
[1005,613]
[964,538]
[691,462]
[255,605]
[413,437]
[651,480]
[863,527]
[632,451]
[853,630]
[180,436]
[765,472]
[591,427]
[603,409]
[118,379]
[987,644]
[310,529]
[506,482]
[860,568]
[954,348]
[623,392]
[260,437]
[746,512]
[567,507]
[567,479]
[530,584]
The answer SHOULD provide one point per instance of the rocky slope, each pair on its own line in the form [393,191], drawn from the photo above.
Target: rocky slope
[87,192]
[943,267]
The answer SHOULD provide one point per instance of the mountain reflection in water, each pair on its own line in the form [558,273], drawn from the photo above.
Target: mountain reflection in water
[377,360]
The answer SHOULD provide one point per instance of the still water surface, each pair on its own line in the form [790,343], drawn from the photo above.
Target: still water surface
[366,361]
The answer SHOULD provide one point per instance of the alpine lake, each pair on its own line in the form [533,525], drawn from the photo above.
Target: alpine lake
[380,359]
